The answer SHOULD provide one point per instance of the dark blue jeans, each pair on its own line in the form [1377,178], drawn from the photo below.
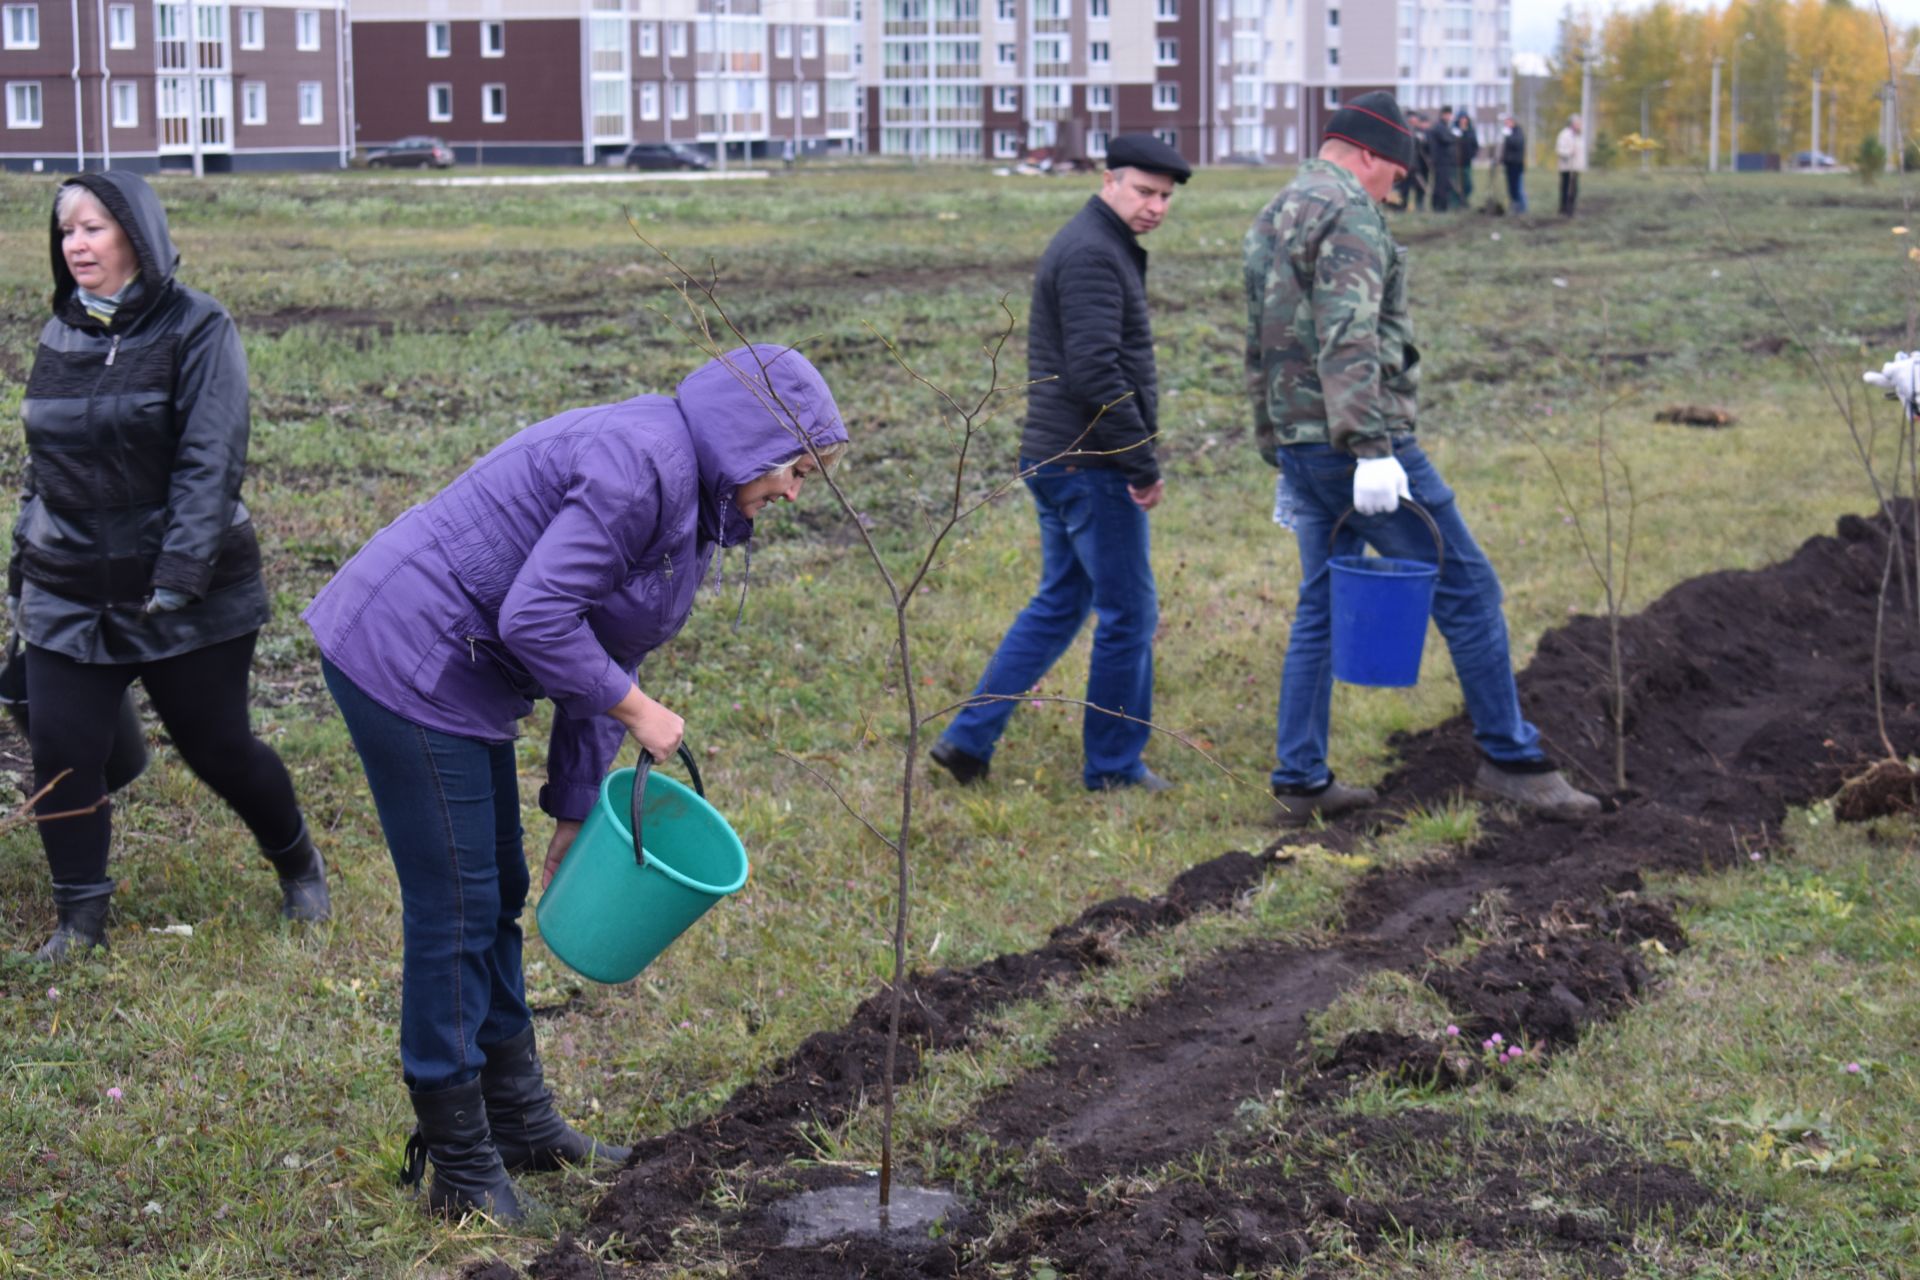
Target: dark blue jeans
[1517,187]
[1466,608]
[1094,556]
[450,810]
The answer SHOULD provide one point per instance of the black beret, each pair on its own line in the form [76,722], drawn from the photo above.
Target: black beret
[1374,122]
[1144,151]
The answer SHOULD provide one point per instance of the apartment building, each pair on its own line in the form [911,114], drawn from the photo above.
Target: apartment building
[575,81]
[1219,79]
[146,85]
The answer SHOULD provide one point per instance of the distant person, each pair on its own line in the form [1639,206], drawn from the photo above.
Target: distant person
[1411,185]
[548,570]
[133,556]
[1443,149]
[1087,453]
[1468,150]
[786,153]
[1570,149]
[1513,156]
[1334,375]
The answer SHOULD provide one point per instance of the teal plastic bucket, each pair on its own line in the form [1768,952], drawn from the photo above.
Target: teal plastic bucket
[620,898]
[1380,611]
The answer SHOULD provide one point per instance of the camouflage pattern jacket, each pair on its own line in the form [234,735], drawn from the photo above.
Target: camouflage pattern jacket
[1330,354]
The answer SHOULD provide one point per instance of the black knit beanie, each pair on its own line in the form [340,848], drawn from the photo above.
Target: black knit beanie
[1374,122]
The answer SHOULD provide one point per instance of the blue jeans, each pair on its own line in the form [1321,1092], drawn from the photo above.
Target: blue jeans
[1466,608]
[1517,187]
[1094,555]
[450,810]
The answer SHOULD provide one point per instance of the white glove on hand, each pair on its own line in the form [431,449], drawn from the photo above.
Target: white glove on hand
[1378,486]
[1898,377]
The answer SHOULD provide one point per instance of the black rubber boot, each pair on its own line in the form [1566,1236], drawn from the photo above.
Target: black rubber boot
[467,1174]
[303,880]
[83,922]
[528,1131]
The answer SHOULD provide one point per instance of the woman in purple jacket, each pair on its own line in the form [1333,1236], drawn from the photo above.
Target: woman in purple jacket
[548,570]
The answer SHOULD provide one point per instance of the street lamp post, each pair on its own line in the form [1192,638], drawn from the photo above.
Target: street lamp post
[1713,121]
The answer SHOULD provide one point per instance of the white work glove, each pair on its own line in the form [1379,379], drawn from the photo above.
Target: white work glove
[1898,378]
[1378,486]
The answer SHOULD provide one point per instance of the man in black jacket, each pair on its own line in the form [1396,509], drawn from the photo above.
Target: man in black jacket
[1467,140]
[1442,149]
[1513,154]
[1087,456]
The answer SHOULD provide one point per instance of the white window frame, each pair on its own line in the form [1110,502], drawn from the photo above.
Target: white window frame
[440,102]
[126,94]
[253,93]
[1097,144]
[1331,97]
[1293,98]
[1166,95]
[809,99]
[1006,144]
[783,100]
[18,119]
[649,39]
[649,99]
[313,93]
[1166,52]
[1099,10]
[677,39]
[306,30]
[809,41]
[1099,53]
[1006,97]
[1007,11]
[783,41]
[493,39]
[122,31]
[1293,140]
[487,97]
[1099,97]
[1006,54]
[680,101]
[1169,136]
[1166,10]
[439,39]
[27,15]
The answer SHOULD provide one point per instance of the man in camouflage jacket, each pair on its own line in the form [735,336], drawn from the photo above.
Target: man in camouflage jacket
[1334,376]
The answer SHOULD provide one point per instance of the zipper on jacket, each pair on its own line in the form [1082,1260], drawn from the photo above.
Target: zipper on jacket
[669,565]
[473,653]
[113,350]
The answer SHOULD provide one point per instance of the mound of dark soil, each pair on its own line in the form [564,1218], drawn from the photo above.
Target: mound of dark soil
[1749,692]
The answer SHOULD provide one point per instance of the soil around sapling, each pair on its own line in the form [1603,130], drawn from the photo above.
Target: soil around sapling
[1748,694]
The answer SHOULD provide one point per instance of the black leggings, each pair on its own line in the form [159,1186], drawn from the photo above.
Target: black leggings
[202,700]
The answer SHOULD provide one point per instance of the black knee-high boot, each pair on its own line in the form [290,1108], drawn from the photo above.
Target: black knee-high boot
[303,879]
[527,1130]
[83,921]
[452,1132]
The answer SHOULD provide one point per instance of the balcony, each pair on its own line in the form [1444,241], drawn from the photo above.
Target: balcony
[899,115]
[904,27]
[963,115]
[839,63]
[1055,69]
[834,8]
[957,70]
[748,62]
[905,70]
[740,122]
[1053,113]
[839,122]
[1045,26]
[957,27]
[740,8]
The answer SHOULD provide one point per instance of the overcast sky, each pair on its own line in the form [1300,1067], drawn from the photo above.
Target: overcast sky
[1537,22]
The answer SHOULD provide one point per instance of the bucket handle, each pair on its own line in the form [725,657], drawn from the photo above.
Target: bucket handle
[1439,545]
[640,770]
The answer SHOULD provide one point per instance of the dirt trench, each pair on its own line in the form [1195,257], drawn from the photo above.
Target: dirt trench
[1749,693]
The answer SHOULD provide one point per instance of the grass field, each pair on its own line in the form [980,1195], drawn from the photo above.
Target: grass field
[229,1104]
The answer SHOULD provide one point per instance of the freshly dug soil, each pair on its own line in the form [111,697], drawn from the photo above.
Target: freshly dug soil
[1749,693]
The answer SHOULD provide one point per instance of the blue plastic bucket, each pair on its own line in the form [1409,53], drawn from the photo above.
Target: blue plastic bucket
[1380,611]
[637,876]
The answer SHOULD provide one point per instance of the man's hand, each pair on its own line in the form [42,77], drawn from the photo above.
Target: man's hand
[1148,498]
[563,834]
[1378,486]
[1899,378]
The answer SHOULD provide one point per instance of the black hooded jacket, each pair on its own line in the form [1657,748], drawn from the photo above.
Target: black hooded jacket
[137,444]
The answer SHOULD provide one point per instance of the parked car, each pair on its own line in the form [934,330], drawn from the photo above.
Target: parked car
[664,155]
[416,153]
[1814,160]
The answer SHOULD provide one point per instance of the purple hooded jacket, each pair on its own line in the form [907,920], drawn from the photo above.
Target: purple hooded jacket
[563,557]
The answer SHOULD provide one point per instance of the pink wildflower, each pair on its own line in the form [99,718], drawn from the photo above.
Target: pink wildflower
[53,993]
[1497,1039]
[1853,1068]
[1452,1030]
[115,1093]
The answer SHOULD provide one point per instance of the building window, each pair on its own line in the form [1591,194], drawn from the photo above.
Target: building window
[783,100]
[493,39]
[1293,97]
[809,42]
[810,99]
[1099,10]
[1007,10]
[439,39]
[1169,136]
[1008,55]
[23,32]
[120,29]
[1166,53]
[1096,144]
[1333,57]
[1099,52]
[1333,17]
[679,99]
[253,102]
[1166,96]
[1099,97]
[306,30]
[1006,97]
[1293,140]
[312,102]
[677,39]
[1166,10]
[440,103]
[1006,143]
[649,100]
[1332,97]
[126,106]
[649,39]
[783,41]
[493,103]
[23,106]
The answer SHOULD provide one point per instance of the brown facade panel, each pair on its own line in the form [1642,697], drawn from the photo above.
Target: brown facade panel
[541,74]
[279,69]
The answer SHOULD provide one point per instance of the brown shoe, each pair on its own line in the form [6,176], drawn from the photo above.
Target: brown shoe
[1547,793]
[1297,809]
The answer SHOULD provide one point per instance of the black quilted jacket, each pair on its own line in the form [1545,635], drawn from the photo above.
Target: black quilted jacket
[1089,345]
[137,443]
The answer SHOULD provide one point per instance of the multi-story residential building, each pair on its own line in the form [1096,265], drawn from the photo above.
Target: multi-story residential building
[575,81]
[1220,79]
[147,84]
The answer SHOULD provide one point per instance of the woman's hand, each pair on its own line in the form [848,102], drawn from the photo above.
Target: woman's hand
[658,730]
[563,834]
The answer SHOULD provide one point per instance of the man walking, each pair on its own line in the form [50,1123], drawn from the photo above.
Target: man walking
[1571,151]
[1088,458]
[1467,138]
[1513,155]
[1333,375]
[1442,144]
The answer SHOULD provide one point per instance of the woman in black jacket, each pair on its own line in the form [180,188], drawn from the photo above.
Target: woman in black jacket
[133,556]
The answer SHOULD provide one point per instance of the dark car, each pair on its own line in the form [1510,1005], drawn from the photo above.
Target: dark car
[415,153]
[664,155]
